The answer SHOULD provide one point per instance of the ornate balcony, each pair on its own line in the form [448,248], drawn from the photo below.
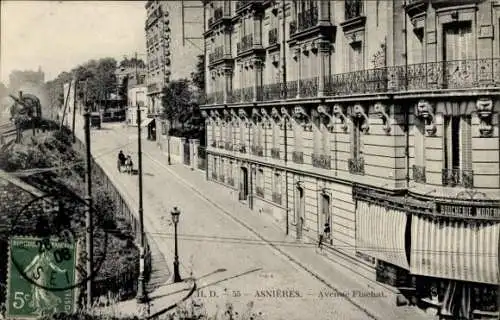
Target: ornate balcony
[276,198]
[307,19]
[243,148]
[298,157]
[247,94]
[259,191]
[257,151]
[357,82]
[419,174]
[228,146]
[457,177]
[271,92]
[245,44]
[309,87]
[230,181]
[273,36]
[275,153]
[291,89]
[356,166]
[353,9]
[321,161]
[217,55]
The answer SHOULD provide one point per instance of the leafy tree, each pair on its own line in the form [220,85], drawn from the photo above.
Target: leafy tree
[198,76]
[123,89]
[176,100]
[3,90]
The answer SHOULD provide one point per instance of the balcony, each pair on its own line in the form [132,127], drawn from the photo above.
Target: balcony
[298,157]
[257,151]
[353,9]
[309,87]
[307,19]
[356,166]
[242,148]
[457,177]
[419,174]
[276,198]
[271,92]
[259,191]
[275,153]
[217,55]
[291,89]
[273,36]
[228,146]
[215,97]
[357,82]
[321,161]
[230,181]
[247,94]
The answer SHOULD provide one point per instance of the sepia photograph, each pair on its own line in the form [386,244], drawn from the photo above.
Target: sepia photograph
[250,160]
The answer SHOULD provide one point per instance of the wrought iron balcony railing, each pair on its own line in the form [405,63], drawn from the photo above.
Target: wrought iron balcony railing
[257,150]
[309,87]
[259,191]
[275,153]
[218,54]
[271,92]
[243,148]
[364,81]
[298,157]
[291,89]
[457,177]
[230,181]
[276,197]
[245,44]
[419,174]
[307,19]
[247,94]
[356,166]
[228,146]
[273,36]
[353,9]
[321,161]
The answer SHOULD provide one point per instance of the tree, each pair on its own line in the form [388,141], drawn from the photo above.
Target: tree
[198,76]
[176,100]
[123,89]
[3,90]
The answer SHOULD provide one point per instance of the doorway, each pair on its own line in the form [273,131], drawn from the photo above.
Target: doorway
[300,211]
[325,218]
[243,183]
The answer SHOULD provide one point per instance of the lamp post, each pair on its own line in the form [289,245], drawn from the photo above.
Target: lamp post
[175,219]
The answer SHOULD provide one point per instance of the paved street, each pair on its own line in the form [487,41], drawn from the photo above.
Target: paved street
[236,255]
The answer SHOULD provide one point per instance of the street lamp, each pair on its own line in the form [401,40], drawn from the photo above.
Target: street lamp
[175,219]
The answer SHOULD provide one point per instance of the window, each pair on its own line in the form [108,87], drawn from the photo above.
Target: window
[298,133]
[325,212]
[230,170]
[229,134]
[277,183]
[213,137]
[458,41]
[242,133]
[260,183]
[221,133]
[356,138]
[355,56]
[457,151]
[275,135]
[215,166]
[222,171]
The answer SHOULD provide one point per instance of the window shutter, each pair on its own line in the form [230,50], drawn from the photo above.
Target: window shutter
[466,141]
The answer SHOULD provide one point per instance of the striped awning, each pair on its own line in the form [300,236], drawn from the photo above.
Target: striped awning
[380,233]
[455,249]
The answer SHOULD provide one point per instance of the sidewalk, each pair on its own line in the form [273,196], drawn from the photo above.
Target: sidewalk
[336,274]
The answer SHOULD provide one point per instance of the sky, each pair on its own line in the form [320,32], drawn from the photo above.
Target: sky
[59,35]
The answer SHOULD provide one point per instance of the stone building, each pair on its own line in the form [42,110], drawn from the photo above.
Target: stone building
[173,42]
[378,118]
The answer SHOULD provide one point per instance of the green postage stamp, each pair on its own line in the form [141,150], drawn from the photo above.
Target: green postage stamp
[39,271]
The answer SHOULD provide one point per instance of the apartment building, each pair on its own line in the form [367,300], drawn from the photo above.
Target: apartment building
[173,40]
[379,119]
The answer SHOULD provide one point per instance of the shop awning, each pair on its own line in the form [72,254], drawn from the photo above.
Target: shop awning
[455,249]
[380,233]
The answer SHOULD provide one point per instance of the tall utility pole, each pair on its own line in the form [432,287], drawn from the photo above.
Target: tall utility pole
[283,54]
[74,109]
[140,290]
[88,211]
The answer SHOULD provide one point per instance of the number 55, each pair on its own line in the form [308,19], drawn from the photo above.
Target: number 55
[18,300]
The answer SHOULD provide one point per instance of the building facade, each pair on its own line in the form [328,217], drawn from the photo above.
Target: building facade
[379,119]
[173,40]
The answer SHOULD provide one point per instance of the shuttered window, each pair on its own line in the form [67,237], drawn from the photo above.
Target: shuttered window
[457,143]
[260,178]
[466,141]
[355,56]
[325,212]
[277,183]
[230,170]
[356,138]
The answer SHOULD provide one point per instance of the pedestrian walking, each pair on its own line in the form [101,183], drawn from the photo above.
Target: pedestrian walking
[323,236]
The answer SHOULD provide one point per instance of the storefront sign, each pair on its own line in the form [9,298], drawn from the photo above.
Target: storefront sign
[468,211]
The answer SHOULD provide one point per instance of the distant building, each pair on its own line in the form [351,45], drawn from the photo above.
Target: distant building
[127,68]
[136,97]
[18,78]
[174,40]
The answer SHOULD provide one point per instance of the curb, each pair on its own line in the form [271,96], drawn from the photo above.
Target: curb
[289,257]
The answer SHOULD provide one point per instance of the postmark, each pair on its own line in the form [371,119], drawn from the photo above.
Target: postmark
[55,227]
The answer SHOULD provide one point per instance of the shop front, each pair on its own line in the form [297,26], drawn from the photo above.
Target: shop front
[454,254]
